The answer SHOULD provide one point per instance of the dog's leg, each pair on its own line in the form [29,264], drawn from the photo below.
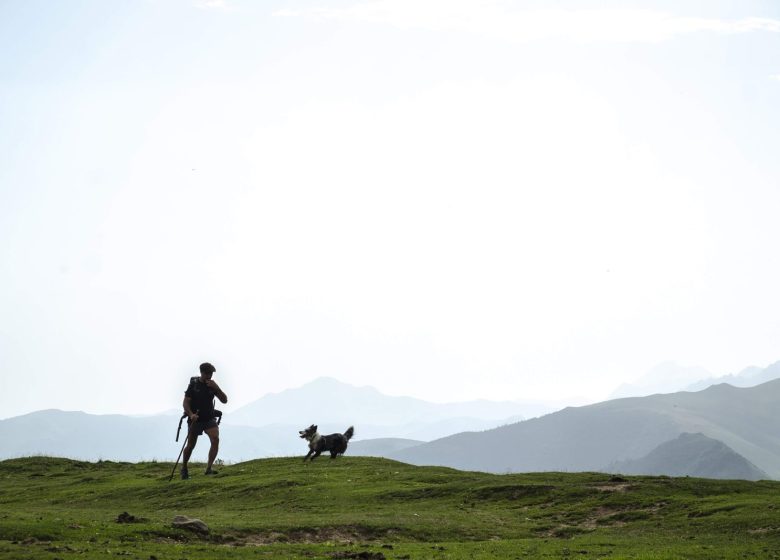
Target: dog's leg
[308,455]
[316,454]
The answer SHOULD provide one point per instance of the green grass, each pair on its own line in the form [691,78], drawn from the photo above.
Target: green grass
[357,507]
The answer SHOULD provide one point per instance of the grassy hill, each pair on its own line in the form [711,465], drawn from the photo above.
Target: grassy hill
[358,507]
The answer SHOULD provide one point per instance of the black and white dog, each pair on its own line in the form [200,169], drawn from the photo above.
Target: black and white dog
[336,444]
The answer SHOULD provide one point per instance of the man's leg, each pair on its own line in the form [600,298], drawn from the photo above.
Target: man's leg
[213,434]
[192,440]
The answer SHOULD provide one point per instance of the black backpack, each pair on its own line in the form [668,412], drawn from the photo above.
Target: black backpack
[217,413]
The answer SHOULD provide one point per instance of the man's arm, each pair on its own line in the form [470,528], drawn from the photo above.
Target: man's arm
[188,409]
[219,393]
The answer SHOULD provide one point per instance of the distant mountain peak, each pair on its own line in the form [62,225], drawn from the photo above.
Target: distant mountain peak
[333,383]
[666,377]
[333,405]
[325,380]
[693,454]
[332,386]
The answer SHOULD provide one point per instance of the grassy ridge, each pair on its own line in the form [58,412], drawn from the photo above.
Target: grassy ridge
[357,507]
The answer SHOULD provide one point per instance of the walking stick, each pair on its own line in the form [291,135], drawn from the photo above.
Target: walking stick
[186,439]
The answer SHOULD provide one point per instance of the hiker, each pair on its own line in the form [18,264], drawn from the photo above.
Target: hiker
[199,408]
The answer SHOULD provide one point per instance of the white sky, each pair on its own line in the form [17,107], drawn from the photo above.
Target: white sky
[442,199]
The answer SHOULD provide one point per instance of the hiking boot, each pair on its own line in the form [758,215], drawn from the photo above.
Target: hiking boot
[185,474]
[210,471]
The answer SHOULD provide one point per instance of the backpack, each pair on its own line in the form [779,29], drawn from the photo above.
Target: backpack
[217,413]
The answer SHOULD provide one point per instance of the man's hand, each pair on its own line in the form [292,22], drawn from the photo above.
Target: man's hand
[211,384]
[194,417]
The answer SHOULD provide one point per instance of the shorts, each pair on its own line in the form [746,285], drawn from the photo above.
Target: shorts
[201,426]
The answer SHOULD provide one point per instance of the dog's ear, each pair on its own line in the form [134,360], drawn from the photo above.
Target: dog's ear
[314,427]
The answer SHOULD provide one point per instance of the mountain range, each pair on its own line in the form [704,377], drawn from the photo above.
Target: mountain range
[267,427]
[735,432]
[334,405]
[692,455]
[748,377]
[594,437]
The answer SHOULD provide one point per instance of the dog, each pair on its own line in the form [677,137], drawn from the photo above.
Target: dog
[336,444]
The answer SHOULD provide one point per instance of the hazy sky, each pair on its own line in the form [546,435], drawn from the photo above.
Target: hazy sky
[445,199]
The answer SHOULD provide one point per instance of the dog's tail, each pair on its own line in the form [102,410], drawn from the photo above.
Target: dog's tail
[349,433]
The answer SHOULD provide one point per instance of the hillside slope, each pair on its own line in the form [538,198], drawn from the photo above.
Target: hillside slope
[692,455]
[592,437]
[374,509]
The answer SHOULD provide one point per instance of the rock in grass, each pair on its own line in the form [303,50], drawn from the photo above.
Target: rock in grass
[364,555]
[191,524]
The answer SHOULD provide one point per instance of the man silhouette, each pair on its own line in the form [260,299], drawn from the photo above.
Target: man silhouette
[199,408]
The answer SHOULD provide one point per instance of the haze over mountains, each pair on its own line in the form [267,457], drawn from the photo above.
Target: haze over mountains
[748,377]
[666,377]
[670,377]
[334,406]
[722,431]
[266,427]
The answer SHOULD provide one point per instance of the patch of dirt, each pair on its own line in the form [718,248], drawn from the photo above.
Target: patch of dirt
[346,535]
[616,487]
[511,492]
[604,517]
[259,539]
[61,549]
[168,540]
[600,517]
[32,540]
[763,530]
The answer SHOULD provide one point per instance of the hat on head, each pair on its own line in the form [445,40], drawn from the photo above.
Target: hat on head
[207,368]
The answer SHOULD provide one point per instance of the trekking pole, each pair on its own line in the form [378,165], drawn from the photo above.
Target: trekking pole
[178,430]
[186,439]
